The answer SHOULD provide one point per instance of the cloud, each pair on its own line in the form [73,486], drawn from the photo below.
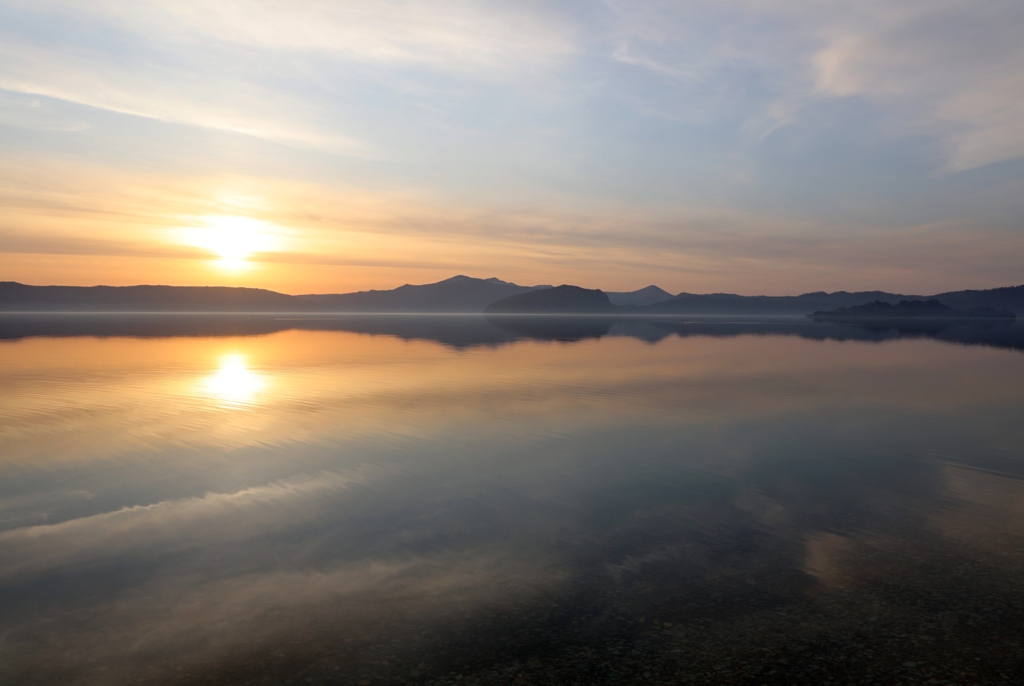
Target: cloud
[453,35]
[951,69]
[167,93]
[27,112]
[683,139]
[683,246]
[263,68]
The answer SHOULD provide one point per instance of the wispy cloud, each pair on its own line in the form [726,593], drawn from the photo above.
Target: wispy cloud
[683,247]
[224,67]
[449,35]
[617,136]
[164,93]
[952,69]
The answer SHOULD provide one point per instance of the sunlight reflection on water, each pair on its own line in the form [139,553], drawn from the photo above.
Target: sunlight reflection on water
[234,384]
[346,506]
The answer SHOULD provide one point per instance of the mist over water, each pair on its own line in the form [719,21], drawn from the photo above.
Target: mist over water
[432,500]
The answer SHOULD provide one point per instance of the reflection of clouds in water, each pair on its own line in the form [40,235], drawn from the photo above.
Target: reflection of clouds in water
[234,384]
[824,557]
[294,561]
[394,488]
[378,553]
[183,617]
[169,526]
[36,508]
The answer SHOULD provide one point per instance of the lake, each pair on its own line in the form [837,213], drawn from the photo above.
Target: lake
[461,500]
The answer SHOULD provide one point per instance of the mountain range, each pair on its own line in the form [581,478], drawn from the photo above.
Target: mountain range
[911,309]
[463,294]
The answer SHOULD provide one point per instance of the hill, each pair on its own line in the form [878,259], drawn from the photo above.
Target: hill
[558,300]
[1008,298]
[912,309]
[464,294]
[18,297]
[457,294]
[726,303]
[639,298]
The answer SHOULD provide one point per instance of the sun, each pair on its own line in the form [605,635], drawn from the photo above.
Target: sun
[233,239]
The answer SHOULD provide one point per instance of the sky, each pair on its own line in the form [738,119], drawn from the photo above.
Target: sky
[746,146]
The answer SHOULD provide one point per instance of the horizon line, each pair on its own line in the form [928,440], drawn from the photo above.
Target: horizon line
[491,279]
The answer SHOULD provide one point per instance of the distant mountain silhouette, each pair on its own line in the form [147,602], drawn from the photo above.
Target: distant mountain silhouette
[19,297]
[640,298]
[1011,299]
[726,303]
[558,300]
[1007,298]
[461,294]
[457,294]
[912,309]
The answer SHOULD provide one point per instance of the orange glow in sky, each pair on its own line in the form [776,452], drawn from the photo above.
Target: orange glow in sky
[764,148]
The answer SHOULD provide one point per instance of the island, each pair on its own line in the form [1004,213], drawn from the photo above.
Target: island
[911,309]
[558,300]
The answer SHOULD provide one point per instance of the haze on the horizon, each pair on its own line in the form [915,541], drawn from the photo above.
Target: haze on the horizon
[746,146]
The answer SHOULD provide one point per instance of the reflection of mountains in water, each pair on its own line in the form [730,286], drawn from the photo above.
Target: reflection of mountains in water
[464,331]
[995,333]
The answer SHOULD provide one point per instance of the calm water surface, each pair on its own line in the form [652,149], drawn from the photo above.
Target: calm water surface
[384,500]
